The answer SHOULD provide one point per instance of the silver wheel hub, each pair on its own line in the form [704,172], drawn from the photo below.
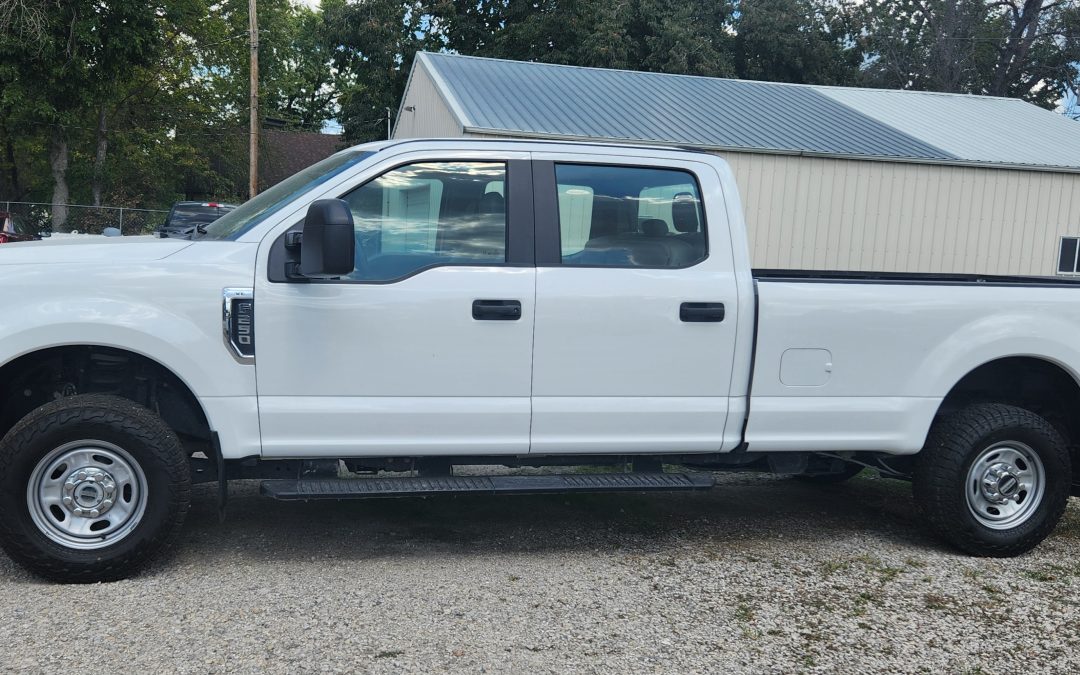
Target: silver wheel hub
[87,494]
[89,491]
[1001,483]
[1005,485]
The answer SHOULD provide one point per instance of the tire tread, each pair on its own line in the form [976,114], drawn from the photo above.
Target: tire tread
[942,465]
[125,417]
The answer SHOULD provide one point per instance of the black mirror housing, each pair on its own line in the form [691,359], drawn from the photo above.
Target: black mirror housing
[328,248]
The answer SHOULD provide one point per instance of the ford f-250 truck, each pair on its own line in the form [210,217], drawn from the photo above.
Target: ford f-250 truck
[401,310]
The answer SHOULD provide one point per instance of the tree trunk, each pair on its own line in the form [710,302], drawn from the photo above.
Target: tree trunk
[9,180]
[1017,45]
[99,159]
[58,163]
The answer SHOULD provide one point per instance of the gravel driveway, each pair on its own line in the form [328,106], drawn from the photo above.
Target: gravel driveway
[762,574]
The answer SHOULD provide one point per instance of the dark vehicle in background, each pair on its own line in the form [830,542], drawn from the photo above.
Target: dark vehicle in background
[14,228]
[185,217]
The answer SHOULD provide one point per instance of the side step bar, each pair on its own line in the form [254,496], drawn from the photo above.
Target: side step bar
[366,488]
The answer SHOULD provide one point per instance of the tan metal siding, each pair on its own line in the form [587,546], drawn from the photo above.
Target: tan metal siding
[819,213]
[431,117]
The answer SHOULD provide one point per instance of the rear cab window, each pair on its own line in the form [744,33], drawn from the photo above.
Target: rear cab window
[619,216]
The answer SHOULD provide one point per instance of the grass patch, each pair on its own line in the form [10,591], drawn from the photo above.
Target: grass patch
[971,573]
[1040,575]
[744,613]
[831,567]
[936,601]
[864,599]
[889,573]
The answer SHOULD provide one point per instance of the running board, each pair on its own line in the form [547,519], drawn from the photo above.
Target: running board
[366,488]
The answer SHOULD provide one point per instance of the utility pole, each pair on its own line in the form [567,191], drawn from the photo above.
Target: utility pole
[253,147]
[388,123]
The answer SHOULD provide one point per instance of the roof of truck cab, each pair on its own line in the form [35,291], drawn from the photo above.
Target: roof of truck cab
[539,100]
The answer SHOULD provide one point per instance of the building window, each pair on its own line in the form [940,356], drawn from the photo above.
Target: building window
[1067,256]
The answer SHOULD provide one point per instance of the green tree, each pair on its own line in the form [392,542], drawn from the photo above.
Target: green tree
[1026,49]
[376,41]
[67,71]
[801,41]
[655,35]
[306,85]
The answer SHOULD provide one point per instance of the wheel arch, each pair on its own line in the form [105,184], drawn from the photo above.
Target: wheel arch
[1038,384]
[37,377]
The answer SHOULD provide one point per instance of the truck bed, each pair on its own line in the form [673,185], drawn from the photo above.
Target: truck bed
[920,278]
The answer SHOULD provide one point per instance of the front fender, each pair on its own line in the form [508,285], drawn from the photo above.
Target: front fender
[195,354]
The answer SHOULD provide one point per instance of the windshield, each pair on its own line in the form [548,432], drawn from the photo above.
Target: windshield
[188,216]
[252,212]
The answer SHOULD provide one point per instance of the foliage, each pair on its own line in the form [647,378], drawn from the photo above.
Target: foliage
[148,100]
[801,41]
[376,41]
[655,35]
[1026,49]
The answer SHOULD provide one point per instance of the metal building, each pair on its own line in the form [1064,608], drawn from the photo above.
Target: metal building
[831,177]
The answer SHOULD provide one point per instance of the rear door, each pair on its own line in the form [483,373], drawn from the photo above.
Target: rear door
[636,304]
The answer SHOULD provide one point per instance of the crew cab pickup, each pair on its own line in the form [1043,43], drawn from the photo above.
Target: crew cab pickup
[384,319]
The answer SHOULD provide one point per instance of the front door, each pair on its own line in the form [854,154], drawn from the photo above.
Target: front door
[635,310]
[426,348]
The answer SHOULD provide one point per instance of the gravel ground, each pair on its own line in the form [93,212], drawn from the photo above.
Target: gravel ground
[763,574]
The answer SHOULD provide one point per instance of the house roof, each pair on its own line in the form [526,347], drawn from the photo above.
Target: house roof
[554,101]
[283,152]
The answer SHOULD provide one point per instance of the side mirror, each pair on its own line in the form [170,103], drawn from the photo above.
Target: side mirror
[328,248]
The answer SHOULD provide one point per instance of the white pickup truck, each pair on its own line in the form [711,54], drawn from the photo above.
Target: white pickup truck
[382,320]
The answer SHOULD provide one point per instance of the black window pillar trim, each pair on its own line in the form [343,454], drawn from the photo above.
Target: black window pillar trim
[546,210]
[520,238]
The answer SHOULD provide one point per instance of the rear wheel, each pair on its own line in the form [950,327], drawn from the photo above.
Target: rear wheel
[993,479]
[91,488]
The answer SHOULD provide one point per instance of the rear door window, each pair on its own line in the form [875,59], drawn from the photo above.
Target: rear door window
[618,216]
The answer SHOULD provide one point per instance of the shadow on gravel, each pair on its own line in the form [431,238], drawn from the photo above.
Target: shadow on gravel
[738,514]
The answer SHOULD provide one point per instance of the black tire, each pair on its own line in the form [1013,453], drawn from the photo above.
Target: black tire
[143,436]
[850,471]
[940,480]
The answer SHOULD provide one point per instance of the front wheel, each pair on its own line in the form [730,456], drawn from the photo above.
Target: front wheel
[993,479]
[91,488]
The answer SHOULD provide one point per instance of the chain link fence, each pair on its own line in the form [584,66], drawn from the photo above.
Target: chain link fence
[81,219]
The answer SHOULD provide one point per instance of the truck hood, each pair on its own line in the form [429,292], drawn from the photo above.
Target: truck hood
[90,249]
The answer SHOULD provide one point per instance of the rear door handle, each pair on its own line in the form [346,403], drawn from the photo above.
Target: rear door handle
[701,312]
[496,310]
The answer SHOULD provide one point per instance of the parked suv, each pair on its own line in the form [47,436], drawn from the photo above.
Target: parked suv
[185,217]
